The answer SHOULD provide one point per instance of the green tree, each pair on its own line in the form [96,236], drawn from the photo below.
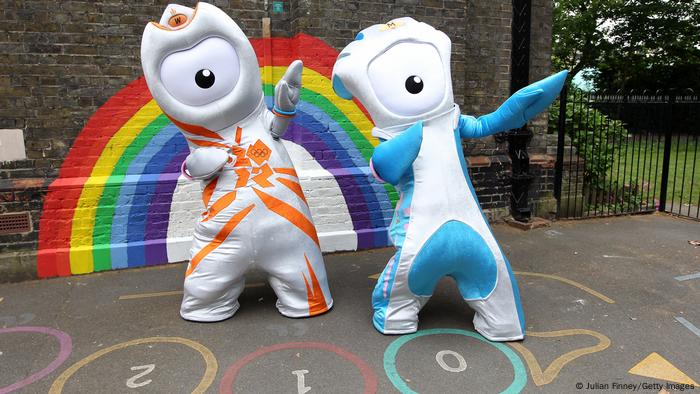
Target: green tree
[655,46]
[579,33]
[633,44]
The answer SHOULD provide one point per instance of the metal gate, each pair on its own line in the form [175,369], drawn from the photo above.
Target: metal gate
[626,153]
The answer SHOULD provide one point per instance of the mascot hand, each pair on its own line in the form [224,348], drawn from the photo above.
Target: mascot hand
[517,110]
[393,158]
[287,93]
[204,163]
[533,99]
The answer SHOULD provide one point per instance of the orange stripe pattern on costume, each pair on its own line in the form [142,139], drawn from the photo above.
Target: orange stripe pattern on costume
[317,302]
[220,237]
[239,132]
[286,171]
[261,179]
[208,143]
[241,160]
[196,130]
[220,204]
[293,186]
[243,176]
[208,191]
[288,212]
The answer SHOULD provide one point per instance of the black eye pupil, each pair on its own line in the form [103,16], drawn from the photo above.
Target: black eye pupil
[204,78]
[414,84]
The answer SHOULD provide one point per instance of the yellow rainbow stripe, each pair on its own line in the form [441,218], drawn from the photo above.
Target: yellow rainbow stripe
[81,258]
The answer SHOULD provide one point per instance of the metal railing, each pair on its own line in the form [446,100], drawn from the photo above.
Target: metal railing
[627,153]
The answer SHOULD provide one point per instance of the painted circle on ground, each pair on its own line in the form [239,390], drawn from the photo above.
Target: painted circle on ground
[519,380]
[370,378]
[209,373]
[65,348]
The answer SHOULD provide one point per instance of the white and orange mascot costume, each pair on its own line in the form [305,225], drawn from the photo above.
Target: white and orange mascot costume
[203,73]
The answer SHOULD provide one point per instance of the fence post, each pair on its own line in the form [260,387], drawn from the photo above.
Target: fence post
[667,154]
[561,136]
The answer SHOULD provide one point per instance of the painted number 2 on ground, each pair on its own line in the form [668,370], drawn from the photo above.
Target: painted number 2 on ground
[131,382]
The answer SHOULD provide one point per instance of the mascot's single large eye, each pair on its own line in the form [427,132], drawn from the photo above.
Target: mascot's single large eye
[204,78]
[414,84]
[409,78]
[202,74]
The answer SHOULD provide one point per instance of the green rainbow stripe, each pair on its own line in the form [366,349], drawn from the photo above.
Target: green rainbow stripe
[104,215]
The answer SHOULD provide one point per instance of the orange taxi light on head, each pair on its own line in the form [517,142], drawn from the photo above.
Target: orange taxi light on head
[177,19]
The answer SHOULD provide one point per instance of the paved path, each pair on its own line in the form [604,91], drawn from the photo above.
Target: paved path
[600,298]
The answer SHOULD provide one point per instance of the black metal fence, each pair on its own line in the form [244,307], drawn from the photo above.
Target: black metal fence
[627,153]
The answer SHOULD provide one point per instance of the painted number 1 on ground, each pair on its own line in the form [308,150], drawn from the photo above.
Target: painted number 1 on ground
[301,385]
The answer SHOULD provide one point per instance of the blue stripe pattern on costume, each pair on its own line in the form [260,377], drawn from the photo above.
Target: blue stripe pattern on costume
[513,282]
[397,233]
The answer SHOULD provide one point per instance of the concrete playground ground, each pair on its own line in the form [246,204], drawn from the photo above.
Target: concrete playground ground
[611,305]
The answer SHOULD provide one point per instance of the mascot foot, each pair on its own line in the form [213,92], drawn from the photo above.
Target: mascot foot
[210,315]
[504,332]
[393,327]
[298,313]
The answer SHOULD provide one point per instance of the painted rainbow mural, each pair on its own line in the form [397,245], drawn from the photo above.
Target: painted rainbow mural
[110,206]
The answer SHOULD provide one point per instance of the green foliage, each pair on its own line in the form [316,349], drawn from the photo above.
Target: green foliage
[655,46]
[579,32]
[596,139]
[593,134]
[634,44]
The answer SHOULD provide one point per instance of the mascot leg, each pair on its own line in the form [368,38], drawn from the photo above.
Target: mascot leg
[215,276]
[499,317]
[482,274]
[298,277]
[395,306]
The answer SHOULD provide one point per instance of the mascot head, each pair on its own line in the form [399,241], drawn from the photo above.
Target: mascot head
[200,67]
[400,72]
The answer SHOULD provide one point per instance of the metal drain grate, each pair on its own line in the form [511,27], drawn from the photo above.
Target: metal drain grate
[15,223]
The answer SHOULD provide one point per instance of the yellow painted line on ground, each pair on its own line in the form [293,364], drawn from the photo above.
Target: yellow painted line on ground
[541,378]
[170,293]
[569,282]
[657,367]
[150,295]
[210,361]
[2,298]
[375,276]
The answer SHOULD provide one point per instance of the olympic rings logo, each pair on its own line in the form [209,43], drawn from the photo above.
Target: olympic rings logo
[259,152]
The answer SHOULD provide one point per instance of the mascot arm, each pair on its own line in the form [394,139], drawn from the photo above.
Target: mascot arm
[204,163]
[516,111]
[286,99]
[391,159]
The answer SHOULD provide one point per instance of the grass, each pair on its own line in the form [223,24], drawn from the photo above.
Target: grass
[641,159]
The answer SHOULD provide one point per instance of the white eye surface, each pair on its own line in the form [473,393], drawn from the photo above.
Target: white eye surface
[408,79]
[202,74]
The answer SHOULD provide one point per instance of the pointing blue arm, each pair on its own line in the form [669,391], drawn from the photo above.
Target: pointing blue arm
[516,111]
[393,158]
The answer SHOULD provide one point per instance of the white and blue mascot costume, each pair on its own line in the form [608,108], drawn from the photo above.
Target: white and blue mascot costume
[203,73]
[400,72]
